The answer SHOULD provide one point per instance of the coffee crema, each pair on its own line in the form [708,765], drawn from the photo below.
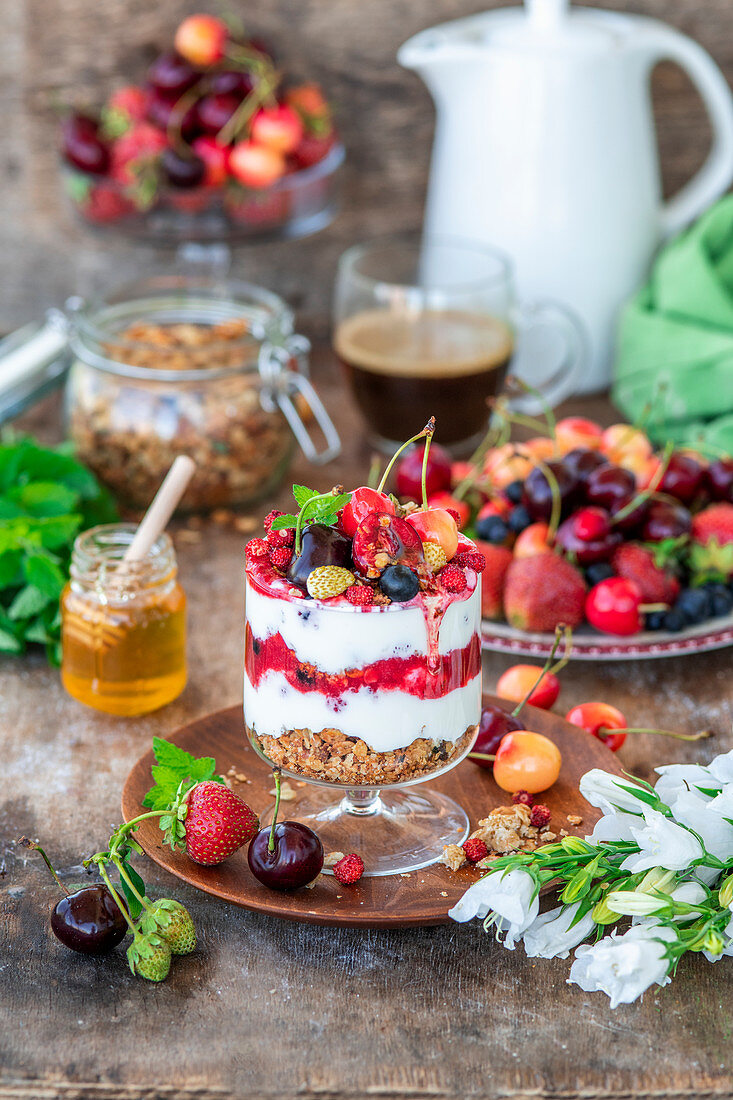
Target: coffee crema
[405,368]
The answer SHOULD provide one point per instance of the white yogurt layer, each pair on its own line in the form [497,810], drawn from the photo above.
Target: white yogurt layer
[385,720]
[336,639]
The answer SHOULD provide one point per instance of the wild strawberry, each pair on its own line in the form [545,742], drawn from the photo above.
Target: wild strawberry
[216,823]
[270,518]
[470,559]
[137,149]
[328,580]
[173,923]
[539,816]
[522,798]
[637,563]
[286,537]
[349,869]
[435,557]
[361,595]
[497,560]
[256,548]
[456,515]
[453,579]
[280,557]
[475,849]
[149,956]
[543,591]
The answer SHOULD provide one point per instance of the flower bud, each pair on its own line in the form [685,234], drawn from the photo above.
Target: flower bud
[578,886]
[574,846]
[656,879]
[725,896]
[633,903]
[713,942]
[601,913]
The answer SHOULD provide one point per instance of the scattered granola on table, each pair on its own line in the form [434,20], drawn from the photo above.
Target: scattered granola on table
[506,829]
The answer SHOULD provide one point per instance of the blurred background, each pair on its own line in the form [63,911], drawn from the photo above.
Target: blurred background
[70,52]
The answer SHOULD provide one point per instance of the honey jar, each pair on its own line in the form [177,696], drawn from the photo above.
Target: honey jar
[123,631]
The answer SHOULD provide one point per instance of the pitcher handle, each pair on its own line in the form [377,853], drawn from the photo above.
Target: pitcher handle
[530,364]
[717,172]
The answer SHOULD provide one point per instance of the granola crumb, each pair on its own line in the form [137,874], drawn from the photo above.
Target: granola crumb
[444,893]
[287,794]
[332,858]
[547,836]
[453,856]
[310,885]
[405,875]
[564,832]
[575,819]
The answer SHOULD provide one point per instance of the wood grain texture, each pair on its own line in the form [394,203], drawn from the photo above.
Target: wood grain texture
[61,51]
[282,1011]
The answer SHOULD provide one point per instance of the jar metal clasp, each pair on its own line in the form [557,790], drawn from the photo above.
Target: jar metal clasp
[281,368]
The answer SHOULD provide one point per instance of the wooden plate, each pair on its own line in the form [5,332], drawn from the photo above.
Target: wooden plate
[394,901]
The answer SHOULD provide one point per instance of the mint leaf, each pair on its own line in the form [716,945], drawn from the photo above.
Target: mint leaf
[9,643]
[174,766]
[44,575]
[45,499]
[303,494]
[281,522]
[29,601]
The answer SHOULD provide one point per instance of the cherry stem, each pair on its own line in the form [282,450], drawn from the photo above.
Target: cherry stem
[481,756]
[262,90]
[550,425]
[560,632]
[130,884]
[271,840]
[556,512]
[429,427]
[606,731]
[651,488]
[116,896]
[31,844]
[424,478]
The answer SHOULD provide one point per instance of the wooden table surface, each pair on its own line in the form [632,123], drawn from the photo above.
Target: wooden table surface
[271,1009]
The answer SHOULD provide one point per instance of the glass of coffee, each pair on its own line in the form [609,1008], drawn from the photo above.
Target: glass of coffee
[429,327]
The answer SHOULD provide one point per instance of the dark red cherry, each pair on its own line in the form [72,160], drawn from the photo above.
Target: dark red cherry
[182,171]
[231,82]
[160,112]
[89,921]
[296,859]
[214,111]
[610,487]
[588,535]
[170,73]
[666,520]
[82,146]
[719,479]
[683,478]
[363,501]
[382,539]
[494,724]
[582,462]
[320,545]
[408,476]
[537,495]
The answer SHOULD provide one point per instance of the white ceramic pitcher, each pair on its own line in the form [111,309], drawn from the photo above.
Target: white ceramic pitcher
[545,147]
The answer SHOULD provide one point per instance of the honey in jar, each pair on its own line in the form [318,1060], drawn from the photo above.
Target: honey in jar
[123,632]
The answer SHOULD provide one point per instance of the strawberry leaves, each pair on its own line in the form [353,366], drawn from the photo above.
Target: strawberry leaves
[175,769]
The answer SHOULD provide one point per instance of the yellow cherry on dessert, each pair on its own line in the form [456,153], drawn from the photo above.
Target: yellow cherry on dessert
[436,525]
[526,761]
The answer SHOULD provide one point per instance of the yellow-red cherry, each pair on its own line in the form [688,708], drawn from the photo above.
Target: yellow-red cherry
[526,761]
[518,681]
[599,719]
[436,525]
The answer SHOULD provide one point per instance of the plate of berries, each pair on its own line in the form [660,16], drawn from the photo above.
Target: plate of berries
[214,144]
[593,528]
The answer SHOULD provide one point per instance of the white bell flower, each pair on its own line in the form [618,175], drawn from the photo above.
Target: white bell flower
[509,895]
[695,812]
[722,767]
[623,967]
[675,779]
[723,802]
[613,826]
[640,903]
[662,843]
[610,792]
[550,936]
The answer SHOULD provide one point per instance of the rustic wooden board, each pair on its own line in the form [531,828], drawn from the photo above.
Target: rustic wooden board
[400,901]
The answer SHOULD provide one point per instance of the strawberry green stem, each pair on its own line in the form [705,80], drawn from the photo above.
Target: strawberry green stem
[271,839]
[129,826]
[31,844]
[130,884]
[429,427]
[560,632]
[476,460]
[116,896]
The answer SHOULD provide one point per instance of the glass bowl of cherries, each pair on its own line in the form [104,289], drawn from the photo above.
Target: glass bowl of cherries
[213,145]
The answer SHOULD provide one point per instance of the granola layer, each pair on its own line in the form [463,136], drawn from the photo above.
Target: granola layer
[332,756]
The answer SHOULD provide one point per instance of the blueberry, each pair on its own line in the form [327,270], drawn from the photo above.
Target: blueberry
[722,601]
[673,621]
[599,571]
[492,529]
[518,519]
[655,620]
[694,604]
[514,491]
[399,583]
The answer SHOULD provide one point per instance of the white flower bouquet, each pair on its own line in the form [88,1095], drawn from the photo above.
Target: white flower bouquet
[661,855]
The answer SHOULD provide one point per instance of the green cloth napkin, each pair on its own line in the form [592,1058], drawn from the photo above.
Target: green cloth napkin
[674,361]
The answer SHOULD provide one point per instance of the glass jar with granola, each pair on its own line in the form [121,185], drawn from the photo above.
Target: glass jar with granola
[181,365]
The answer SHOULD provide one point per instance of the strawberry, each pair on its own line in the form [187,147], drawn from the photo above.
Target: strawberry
[470,559]
[256,548]
[453,579]
[149,956]
[105,204]
[124,108]
[542,592]
[173,923]
[361,595]
[435,557]
[329,580]
[539,816]
[349,869]
[475,849]
[280,557]
[711,552]
[497,560]
[216,822]
[270,519]
[638,563]
[286,537]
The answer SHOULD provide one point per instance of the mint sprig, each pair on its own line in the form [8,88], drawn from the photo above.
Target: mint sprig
[173,768]
[314,508]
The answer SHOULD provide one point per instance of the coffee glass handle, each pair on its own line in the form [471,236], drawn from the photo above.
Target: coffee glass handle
[551,353]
